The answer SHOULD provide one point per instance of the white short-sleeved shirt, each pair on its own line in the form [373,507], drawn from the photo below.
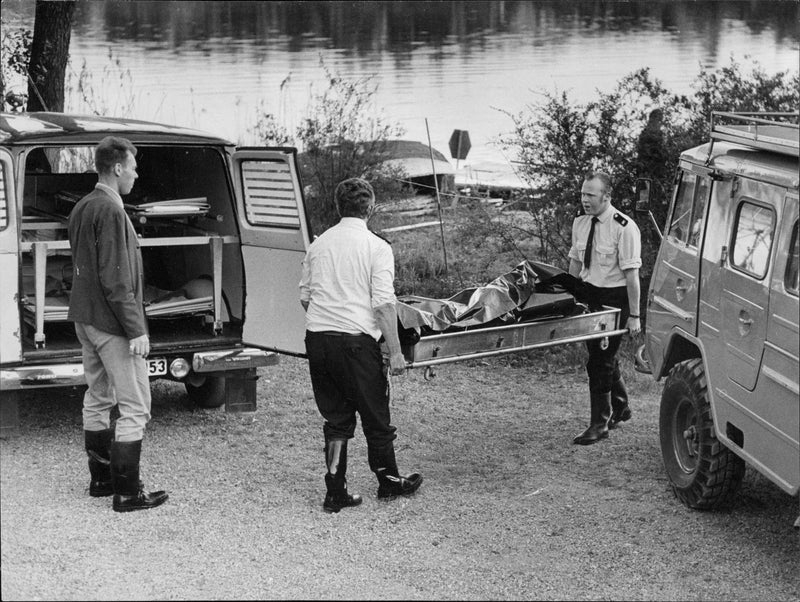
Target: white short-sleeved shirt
[616,246]
[347,271]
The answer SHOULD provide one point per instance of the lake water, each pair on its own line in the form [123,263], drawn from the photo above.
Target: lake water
[460,65]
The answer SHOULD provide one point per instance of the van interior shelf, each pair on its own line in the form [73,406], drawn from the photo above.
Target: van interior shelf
[140,213]
[45,287]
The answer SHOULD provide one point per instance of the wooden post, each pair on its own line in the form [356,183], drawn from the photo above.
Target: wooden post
[438,200]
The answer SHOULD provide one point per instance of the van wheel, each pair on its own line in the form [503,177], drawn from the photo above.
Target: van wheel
[210,393]
[704,474]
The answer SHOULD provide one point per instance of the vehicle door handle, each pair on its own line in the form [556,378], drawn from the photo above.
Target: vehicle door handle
[680,290]
[745,323]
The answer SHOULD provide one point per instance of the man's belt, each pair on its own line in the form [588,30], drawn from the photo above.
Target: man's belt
[336,333]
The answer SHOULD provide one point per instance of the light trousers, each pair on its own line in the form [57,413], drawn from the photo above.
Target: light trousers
[115,377]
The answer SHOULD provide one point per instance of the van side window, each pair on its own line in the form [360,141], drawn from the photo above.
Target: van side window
[752,238]
[681,220]
[791,279]
[3,198]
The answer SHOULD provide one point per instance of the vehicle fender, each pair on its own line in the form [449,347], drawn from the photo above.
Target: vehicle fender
[683,346]
[680,346]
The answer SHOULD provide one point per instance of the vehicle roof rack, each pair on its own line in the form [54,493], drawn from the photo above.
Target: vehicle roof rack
[776,132]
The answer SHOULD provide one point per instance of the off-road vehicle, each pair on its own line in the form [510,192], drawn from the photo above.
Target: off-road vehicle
[722,311]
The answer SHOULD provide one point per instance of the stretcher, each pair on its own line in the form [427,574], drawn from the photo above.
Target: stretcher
[531,307]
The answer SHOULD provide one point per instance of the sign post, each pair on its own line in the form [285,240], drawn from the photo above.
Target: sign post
[438,199]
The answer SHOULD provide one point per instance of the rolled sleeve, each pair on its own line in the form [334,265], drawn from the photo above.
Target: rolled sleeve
[630,249]
[382,277]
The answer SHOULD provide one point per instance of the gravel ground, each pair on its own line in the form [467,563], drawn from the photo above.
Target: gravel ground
[509,508]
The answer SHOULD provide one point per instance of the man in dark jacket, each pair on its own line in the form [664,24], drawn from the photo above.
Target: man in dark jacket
[106,304]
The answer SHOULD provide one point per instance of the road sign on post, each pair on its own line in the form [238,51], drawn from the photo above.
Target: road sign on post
[459,144]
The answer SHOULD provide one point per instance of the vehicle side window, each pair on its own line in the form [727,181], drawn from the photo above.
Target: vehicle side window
[752,238]
[680,223]
[791,278]
[701,192]
[3,198]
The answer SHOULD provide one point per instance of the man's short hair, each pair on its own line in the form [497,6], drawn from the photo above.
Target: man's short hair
[110,151]
[354,197]
[602,176]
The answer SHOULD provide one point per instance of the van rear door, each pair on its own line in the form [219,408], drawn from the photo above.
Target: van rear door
[274,237]
[10,340]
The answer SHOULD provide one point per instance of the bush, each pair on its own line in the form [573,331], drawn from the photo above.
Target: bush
[637,130]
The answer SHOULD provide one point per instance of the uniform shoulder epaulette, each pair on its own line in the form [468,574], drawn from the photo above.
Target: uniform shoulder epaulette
[388,242]
[621,219]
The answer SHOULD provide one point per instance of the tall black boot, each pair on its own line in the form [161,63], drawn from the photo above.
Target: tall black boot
[601,412]
[98,448]
[620,410]
[382,462]
[335,481]
[129,493]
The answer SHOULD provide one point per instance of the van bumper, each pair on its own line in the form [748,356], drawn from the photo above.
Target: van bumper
[71,374]
[33,377]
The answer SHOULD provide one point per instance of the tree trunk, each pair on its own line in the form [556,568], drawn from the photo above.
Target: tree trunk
[49,54]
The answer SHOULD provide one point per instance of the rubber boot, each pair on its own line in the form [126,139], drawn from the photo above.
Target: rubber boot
[620,410]
[601,413]
[390,484]
[129,494]
[98,448]
[335,481]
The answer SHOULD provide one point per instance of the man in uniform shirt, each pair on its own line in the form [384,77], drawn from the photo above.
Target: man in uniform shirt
[347,290]
[107,307]
[606,256]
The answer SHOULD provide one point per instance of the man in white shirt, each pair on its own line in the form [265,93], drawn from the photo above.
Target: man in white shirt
[347,290]
[606,256]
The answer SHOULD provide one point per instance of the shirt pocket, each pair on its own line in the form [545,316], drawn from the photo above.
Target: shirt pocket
[580,251]
[606,255]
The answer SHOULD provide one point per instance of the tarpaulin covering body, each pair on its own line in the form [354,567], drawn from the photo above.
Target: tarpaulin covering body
[532,290]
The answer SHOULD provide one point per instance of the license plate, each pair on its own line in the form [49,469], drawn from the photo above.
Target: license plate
[156,366]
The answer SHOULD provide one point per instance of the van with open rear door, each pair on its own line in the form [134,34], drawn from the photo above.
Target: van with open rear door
[223,232]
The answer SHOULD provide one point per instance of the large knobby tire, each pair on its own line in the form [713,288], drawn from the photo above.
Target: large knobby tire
[210,393]
[704,474]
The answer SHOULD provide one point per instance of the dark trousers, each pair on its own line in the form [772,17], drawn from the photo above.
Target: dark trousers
[603,367]
[348,377]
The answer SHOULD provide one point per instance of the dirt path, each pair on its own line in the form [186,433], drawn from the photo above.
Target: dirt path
[509,508]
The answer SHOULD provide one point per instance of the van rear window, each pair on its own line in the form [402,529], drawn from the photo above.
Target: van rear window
[269,194]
